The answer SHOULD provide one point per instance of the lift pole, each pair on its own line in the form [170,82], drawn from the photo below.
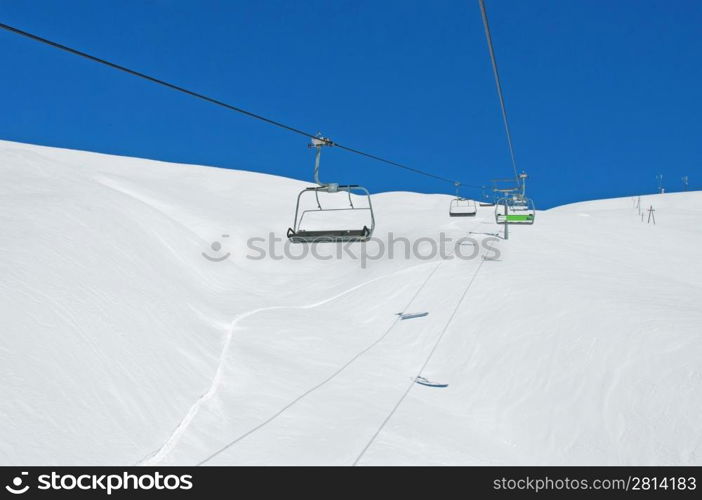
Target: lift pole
[504,201]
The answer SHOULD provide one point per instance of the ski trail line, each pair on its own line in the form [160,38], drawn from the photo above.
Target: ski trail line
[323,382]
[180,429]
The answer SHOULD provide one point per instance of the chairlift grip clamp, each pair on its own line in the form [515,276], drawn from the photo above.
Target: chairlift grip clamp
[319,141]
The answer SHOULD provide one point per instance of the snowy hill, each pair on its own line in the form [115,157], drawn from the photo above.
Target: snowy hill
[122,344]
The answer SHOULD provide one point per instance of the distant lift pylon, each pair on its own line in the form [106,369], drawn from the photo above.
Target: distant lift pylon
[328,222]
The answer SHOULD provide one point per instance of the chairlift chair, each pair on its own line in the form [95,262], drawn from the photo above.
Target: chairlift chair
[486,204]
[485,200]
[305,209]
[462,207]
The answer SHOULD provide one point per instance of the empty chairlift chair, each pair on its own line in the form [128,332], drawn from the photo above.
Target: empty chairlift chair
[462,207]
[331,212]
[485,200]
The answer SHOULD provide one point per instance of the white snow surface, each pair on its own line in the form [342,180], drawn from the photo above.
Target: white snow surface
[121,344]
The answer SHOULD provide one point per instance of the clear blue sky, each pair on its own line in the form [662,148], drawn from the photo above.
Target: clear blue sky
[602,95]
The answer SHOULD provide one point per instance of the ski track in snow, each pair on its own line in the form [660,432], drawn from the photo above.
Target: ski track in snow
[334,374]
[424,365]
[177,434]
[323,382]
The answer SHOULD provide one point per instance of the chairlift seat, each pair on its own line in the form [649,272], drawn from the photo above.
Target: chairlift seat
[462,207]
[330,236]
[296,234]
[520,218]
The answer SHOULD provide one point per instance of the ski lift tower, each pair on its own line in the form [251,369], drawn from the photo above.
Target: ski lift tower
[503,202]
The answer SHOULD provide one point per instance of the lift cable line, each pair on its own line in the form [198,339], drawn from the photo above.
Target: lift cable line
[224,104]
[491,50]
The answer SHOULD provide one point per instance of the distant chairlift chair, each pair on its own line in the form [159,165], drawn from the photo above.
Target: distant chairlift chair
[485,200]
[515,210]
[298,234]
[462,207]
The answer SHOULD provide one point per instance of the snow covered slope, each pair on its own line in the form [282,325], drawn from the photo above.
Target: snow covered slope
[120,343]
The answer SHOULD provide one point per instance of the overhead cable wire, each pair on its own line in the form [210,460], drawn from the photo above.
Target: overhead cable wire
[217,102]
[496,73]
